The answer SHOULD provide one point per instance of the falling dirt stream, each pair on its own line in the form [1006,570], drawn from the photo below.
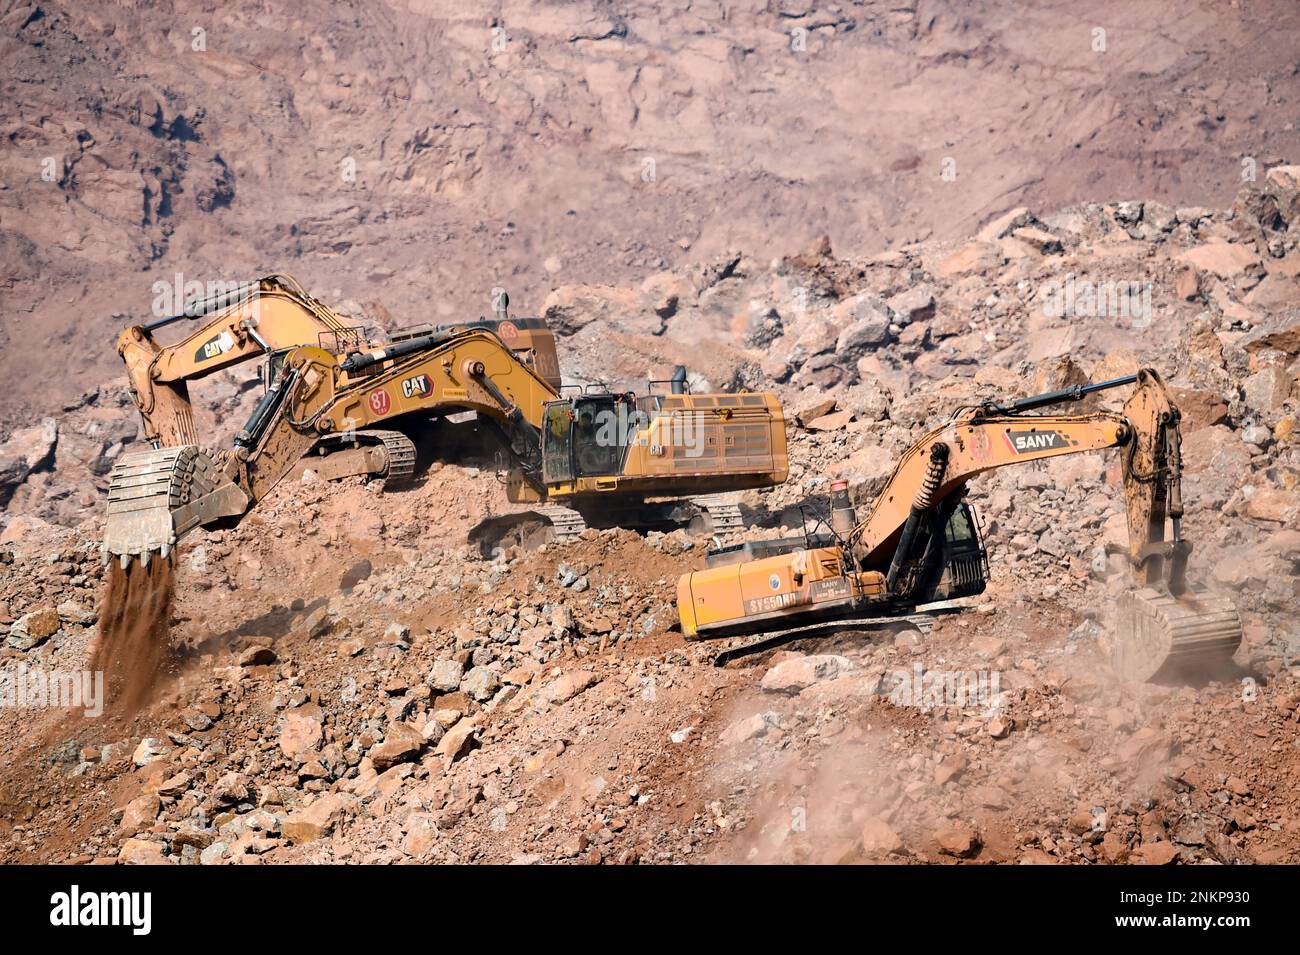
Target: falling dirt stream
[133,649]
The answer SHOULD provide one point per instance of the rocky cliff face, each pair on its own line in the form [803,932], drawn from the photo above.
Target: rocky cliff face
[409,157]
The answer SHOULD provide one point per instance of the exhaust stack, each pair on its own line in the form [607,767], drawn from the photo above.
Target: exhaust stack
[843,516]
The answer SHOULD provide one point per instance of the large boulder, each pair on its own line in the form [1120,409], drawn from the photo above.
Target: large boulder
[1275,293]
[402,743]
[799,673]
[863,321]
[1004,224]
[569,685]
[1224,259]
[1273,504]
[970,259]
[33,628]
[914,305]
[813,334]
[1200,407]
[1267,388]
[92,438]
[301,731]
[446,675]
[957,840]
[1278,333]
[869,400]
[318,819]
[866,469]
[879,838]
[481,683]
[571,308]
[863,334]
[27,450]
[1216,460]
[1282,184]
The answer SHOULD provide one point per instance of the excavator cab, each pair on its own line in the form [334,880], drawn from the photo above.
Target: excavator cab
[271,367]
[586,436]
[954,563]
[945,559]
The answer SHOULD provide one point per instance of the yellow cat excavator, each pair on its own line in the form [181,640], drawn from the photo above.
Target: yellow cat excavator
[610,456]
[920,543]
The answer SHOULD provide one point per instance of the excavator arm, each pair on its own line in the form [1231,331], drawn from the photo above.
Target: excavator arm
[944,461]
[918,544]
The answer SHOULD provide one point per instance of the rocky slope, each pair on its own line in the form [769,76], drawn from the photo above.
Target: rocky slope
[357,684]
[407,157]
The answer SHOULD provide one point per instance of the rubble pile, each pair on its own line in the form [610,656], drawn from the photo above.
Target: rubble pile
[359,683]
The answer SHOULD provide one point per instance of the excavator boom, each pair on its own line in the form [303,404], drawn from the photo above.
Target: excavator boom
[263,319]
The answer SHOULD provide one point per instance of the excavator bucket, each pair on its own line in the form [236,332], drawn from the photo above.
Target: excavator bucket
[1160,637]
[156,496]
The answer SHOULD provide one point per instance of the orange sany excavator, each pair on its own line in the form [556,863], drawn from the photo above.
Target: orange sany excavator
[920,542]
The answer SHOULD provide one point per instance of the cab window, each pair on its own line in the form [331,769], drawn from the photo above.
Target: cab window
[599,433]
[959,528]
[557,459]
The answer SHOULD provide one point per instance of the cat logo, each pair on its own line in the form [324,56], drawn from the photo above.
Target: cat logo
[417,387]
[215,346]
[1027,442]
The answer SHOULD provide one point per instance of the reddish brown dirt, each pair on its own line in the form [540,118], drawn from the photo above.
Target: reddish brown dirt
[642,773]
[133,649]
